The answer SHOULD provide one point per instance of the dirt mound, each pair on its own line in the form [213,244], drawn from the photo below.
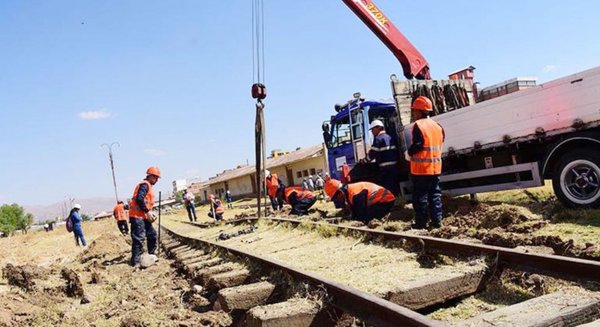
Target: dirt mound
[489,216]
[74,288]
[105,246]
[23,276]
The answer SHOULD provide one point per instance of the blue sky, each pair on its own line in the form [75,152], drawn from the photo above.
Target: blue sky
[170,80]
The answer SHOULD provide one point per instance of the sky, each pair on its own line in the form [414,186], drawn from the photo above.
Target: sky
[170,80]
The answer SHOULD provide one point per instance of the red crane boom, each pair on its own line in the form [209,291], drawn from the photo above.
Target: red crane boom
[413,63]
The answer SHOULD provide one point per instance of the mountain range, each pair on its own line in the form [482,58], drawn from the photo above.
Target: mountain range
[89,206]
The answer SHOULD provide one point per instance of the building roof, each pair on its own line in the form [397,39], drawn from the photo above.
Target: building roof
[282,160]
[508,81]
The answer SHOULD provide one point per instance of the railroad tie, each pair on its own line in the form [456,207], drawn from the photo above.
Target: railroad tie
[246,296]
[297,313]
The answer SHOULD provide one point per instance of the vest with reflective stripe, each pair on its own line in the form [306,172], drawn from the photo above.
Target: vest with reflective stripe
[429,160]
[119,212]
[134,209]
[375,193]
[272,185]
[218,206]
[300,193]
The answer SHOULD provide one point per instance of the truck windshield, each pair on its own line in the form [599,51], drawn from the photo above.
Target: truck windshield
[340,133]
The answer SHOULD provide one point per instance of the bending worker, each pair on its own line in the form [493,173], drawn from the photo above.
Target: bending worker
[273,184]
[300,200]
[425,156]
[366,200]
[216,208]
[121,217]
[384,152]
[141,218]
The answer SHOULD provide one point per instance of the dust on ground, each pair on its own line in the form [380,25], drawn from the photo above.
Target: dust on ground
[95,285]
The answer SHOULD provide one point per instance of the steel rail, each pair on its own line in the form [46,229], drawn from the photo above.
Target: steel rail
[554,265]
[370,308]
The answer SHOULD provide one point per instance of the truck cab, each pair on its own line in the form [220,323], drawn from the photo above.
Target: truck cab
[347,135]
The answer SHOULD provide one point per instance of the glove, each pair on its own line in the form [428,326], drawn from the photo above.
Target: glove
[151,216]
[406,156]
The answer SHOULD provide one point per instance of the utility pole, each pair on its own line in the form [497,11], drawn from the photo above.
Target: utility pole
[112,165]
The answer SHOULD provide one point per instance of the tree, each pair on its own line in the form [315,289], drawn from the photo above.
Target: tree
[86,217]
[179,197]
[13,217]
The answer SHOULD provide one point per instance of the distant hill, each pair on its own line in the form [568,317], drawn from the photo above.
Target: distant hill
[88,206]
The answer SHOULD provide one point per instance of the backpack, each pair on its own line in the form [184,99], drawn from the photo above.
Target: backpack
[69,224]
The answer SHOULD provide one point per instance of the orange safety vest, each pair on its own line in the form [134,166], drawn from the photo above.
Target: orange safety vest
[218,206]
[376,194]
[119,212]
[272,185]
[429,160]
[134,209]
[300,193]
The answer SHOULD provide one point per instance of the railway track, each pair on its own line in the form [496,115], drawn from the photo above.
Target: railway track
[243,261]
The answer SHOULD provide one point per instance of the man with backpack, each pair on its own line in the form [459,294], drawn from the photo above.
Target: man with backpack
[74,225]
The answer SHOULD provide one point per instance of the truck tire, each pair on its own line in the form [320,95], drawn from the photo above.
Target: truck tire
[576,179]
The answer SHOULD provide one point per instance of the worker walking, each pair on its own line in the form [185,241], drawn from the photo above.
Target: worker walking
[273,184]
[425,157]
[366,200]
[121,217]
[216,208]
[300,200]
[140,216]
[76,220]
[188,200]
[384,152]
[229,200]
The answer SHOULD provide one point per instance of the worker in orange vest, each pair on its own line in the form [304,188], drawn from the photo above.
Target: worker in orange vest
[121,217]
[366,200]
[140,216]
[216,208]
[425,157]
[301,200]
[274,184]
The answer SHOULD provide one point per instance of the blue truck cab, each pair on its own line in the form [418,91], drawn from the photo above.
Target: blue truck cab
[347,135]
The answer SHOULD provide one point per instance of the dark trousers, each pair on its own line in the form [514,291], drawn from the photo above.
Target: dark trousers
[141,230]
[122,224]
[379,210]
[389,177]
[78,234]
[276,203]
[217,217]
[191,211]
[427,199]
[301,207]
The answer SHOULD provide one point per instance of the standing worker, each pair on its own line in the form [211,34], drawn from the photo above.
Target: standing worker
[121,218]
[425,156]
[385,153]
[229,199]
[188,200]
[76,221]
[140,216]
[216,207]
[300,200]
[273,184]
[366,200]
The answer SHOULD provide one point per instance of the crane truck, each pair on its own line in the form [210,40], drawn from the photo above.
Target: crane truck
[550,131]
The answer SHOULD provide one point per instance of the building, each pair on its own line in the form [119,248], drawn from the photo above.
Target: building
[506,87]
[179,185]
[241,181]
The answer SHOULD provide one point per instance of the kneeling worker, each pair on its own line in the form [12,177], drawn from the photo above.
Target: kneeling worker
[367,201]
[216,208]
[300,200]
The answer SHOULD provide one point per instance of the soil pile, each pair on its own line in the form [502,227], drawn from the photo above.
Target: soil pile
[490,216]
[23,276]
[106,246]
[73,287]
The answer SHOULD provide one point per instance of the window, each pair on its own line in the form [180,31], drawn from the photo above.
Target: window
[341,133]
[313,171]
[305,173]
[298,174]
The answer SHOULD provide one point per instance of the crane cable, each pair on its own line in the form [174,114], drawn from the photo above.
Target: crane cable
[258,44]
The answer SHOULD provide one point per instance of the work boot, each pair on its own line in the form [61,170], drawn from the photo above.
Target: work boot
[434,225]
[417,226]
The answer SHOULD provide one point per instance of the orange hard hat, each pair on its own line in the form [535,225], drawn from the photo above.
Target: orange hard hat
[332,186]
[153,171]
[422,103]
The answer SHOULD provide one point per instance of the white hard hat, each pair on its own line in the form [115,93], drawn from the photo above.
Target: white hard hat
[376,123]
[267,172]
[77,206]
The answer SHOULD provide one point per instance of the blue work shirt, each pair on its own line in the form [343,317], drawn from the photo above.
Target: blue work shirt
[384,150]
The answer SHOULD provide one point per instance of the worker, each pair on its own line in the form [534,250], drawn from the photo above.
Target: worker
[300,200]
[384,153]
[216,208]
[229,200]
[76,220]
[140,216]
[273,184]
[425,157]
[121,217]
[366,200]
[188,200]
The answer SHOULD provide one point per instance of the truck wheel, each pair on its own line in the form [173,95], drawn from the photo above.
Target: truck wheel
[576,179]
